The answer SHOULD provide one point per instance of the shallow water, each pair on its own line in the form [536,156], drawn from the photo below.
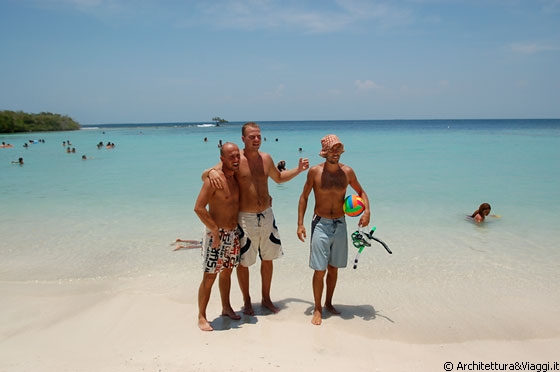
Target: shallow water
[115,214]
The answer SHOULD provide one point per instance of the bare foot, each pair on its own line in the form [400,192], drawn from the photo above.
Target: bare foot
[248,309]
[177,244]
[204,325]
[230,314]
[270,306]
[317,317]
[331,308]
[178,247]
[186,244]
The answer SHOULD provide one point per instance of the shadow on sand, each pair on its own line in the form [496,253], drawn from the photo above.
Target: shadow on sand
[347,312]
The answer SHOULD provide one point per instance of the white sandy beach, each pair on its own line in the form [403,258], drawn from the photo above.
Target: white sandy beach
[394,324]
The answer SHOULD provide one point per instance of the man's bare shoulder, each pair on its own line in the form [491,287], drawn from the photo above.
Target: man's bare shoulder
[317,167]
[265,155]
[348,171]
[345,168]
[267,160]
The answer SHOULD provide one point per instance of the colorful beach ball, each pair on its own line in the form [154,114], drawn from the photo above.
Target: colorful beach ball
[353,205]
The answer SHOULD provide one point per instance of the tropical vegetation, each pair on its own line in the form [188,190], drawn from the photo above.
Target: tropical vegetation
[18,121]
[219,120]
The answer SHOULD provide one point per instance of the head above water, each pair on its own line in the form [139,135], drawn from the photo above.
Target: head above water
[483,210]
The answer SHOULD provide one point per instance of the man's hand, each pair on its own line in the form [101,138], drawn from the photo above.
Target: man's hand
[301,234]
[364,220]
[215,179]
[215,238]
[303,164]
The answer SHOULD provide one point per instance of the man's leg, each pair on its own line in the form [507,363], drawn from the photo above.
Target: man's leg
[317,283]
[267,269]
[203,297]
[332,277]
[224,283]
[243,279]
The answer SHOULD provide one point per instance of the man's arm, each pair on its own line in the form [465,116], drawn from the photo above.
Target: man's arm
[215,176]
[201,211]
[302,205]
[285,176]
[355,184]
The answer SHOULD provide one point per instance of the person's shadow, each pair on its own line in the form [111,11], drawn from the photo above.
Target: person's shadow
[347,312]
[224,323]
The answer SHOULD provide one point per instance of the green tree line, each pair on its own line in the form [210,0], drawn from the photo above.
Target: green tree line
[18,121]
[219,120]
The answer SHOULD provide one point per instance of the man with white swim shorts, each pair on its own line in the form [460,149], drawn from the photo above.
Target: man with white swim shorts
[329,238]
[221,242]
[260,234]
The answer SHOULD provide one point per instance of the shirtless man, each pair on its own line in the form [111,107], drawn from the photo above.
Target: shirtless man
[329,239]
[260,234]
[221,244]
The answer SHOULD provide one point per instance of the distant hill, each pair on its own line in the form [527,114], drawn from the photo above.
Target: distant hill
[18,121]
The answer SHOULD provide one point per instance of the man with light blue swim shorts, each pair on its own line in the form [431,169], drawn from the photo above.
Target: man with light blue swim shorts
[259,237]
[329,238]
[329,243]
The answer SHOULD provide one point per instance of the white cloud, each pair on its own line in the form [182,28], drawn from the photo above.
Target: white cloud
[280,90]
[531,48]
[83,4]
[366,85]
[255,15]
[302,15]
[405,89]
[100,9]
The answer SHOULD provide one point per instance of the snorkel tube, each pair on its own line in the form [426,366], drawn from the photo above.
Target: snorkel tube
[362,239]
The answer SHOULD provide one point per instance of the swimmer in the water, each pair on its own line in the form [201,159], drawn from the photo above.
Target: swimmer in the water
[482,212]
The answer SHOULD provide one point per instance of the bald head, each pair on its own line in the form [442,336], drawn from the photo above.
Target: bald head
[230,156]
[227,147]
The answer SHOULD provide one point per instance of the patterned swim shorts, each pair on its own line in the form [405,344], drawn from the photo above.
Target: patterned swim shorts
[225,256]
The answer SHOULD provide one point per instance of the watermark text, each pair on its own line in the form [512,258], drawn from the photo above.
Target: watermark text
[494,366]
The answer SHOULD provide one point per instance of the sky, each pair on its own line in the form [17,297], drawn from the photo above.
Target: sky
[155,61]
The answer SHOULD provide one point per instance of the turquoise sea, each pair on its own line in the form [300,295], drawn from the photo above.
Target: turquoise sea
[115,214]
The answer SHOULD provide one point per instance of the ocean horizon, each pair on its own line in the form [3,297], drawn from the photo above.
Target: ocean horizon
[375,122]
